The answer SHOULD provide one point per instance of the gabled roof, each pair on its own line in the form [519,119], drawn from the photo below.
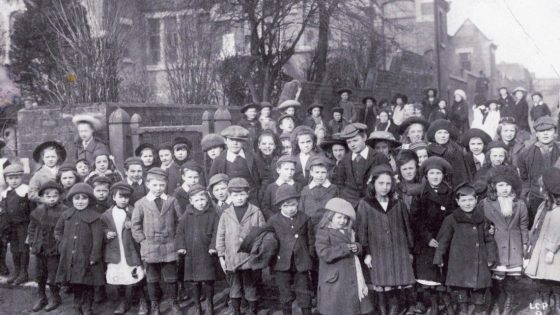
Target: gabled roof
[468,22]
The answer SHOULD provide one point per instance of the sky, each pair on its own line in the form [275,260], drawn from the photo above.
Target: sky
[539,18]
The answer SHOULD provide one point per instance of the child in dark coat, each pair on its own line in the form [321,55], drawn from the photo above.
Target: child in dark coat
[80,235]
[468,250]
[285,167]
[315,195]
[66,177]
[101,186]
[191,174]
[42,243]
[218,189]
[104,165]
[134,176]
[295,236]
[195,240]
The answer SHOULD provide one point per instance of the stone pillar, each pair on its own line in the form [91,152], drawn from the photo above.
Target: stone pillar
[135,121]
[206,122]
[119,130]
[222,119]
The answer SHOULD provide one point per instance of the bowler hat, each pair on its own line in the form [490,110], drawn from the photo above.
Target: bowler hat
[217,178]
[440,124]
[212,140]
[94,122]
[436,162]
[284,193]
[352,130]
[382,136]
[51,184]
[341,206]
[475,133]
[60,151]
[289,103]
[13,169]
[551,180]
[238,184]
[142,147]
[80,188]
[195,189]
[245,107]
[413,120]
[123,186]
[236,133]
[544,123]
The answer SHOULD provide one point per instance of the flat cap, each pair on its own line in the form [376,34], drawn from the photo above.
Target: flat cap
[195,189]
[496,144]
[544,123]
[352,130]
[122,186]
[51,184]
[157,172]
[67,167]
[318,160]
[286,158]
[134,160]
[284,116]
[238,183]
[212,140]
[235,132]
[191,166]
[420,145]
[341,206]
[101,179]
[13,169]
[217,178]
[284,193]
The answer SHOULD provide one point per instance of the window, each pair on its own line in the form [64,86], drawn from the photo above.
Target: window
[154,41]
[171,39]
[465,61]
[228,45]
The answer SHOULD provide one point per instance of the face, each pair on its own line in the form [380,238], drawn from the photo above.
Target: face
[476,145]
[435,177]
[239,198]
[497,156]
[289,207]
[319,174]
[546,136]
[214,152]
[383,185]
[265,112]
[156,186]
[287,125]
[267,145]
[14,181]
[320,133]
[338,152]
[415,133]
[67,179]
[422,155]
[165,157]
[337,116]
[180,153]
[120,200]
[85,131]
[467,203]
[134,172]
[102,163]
[219,191]
[80,201]
[493,106]
[286,146]
[441,136]
[519,95]
[199,201]
[408,170]
[50,197]
[442,104]
[286,171]
[82,168]
[305,143]
[316,112]
[357,143]
[508,132]
[147,157]
[383,117]
[344,96]
[536,98]
[369,103]
[503,189]
[101,191]
[234,145]
[50,157]
[382,147]
[399,101]
[458,98]
[339,221]
[503,92]
[251,113]
[190,177]
[290,111]
[430,93]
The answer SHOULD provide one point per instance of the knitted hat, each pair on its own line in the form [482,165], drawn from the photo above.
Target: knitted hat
[195,189]
[236,133]
[551,180]
[436,162]
[440,124]
[51,184]
[413,120]
[212,140]
[238,184]
[80,188]
[60,151]
[352,130]
[461,93]
[13,169]
[284,193]
[144,146]
[341,206]
[475,133]
[217,178]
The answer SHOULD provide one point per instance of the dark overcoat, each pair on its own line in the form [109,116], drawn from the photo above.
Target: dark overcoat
[453,153]
[312,200]
[268,206]
[111,250]
[87,153]
[40,231]
[220,166]
[531,167]
[296,240]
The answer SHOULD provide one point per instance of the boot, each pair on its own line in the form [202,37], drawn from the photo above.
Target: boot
[100,294]
[88,302]
[393,303]
[4,271]
[143,307]
[209,302]
[236,306]
[17,268]
[175,307]
[23,276]
[78,301]
[508,304]
[121,308]
[252,308]
[42,299]
[449,308]
[433,304]
[56,300]
[509,285]
[382,303]
[155,308]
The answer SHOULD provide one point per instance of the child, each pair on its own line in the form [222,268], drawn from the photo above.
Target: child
[475,141]
[385,124]
[320,190]
[165,154]
[486,117]
[80,235]
[428,211]
[67,177]
[148,154]
[181,149]
[285,139]
[468,250]
[386,238]
[285,167]
[337,123]
[250,121]
[42,243]
[49,156]
[509,217]
[134,173]
[399,103]
[104,165]
[195,240]
[267,151]
[15,209]
[304,144]
[315,117]
[295,236]
[385,143]
[350,113]
[440,113]
[101,186]
[508,134]
[539,108]
[335,149]
[154,222]
[218,188]
[235,223]
[421,150]
[190,176]
[342,287]
[82,168]
[286,123]
[212,145]
[543,263]
[121,253]
[289,108]
[87,143]
[265,117]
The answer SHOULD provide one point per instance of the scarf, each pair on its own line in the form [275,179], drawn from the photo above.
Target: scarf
[506,206]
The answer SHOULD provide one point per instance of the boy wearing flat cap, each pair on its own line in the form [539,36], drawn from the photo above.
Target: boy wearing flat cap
[134,176]
[352,172]
[285,167]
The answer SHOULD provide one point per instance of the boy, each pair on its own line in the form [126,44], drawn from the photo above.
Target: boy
[465,239]
[190,175]
[337,123]
[134,175]
[15,210]
[212,145]
[218,188]
[43,245]
[249,121]
[315,195]
[539,108]
[286,123]
[154,221]
[285,167]
[286,140]
[235,223]
[353,171]
[294,232]
[101,186]
[181,149]
[235,161]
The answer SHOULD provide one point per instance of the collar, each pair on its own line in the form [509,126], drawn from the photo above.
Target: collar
[165,167]
[117,208]
[131,182]
[21,191]
[287,217]
[151,196]
[326,184]
[364,154]
[230,156]
[279,182]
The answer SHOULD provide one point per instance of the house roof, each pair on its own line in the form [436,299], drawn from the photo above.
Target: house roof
[469,23]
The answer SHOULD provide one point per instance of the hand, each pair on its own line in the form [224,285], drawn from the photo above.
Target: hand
[441,265]
[353,247]
[524,250]
[411,257]
[490,264]
[367,261]
[223,263]
[212,252]
[181,251]
[91,262]
[127,224]
[433,243]
[549,257]
[111,235]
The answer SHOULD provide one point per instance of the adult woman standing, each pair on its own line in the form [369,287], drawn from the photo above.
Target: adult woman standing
[50,155]
[459,111]
[87,143]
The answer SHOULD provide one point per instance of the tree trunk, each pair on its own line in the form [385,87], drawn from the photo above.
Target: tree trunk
[322,42]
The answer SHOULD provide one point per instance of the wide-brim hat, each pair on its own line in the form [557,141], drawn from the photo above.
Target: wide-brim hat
[86,118]
[245,107]
[352,130]
[315,105]
[364,100]
[60,151]
[328,143]
[436,162]
[143,146]
[285,192]
[51,184]
[379,136]
[440,124]
[341,206]
[551,180]
[342,90]
[413,120]
[289,103]
[80,188]
[475,133]
[520,89]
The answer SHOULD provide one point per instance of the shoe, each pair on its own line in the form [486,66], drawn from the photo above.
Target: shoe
[252,308]
[54,303]
[143,307]
[22,278]
[176,308]
[121,308]
[235,306]
[42,302]
[13,276]
[154,308]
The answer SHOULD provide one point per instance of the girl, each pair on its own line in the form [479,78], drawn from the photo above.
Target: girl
[285,138]
[80,235]
[147,153]
[384,142]
[510,219]
[442,135]
[520,109]
[440,112]
[496,155]
[430,101]
[386,238]
[384,123]
[50,155]
[428,211]
[315,117]
[421,150]
[486,117]
[413,130]
[82,168]
[267,148]
[408,185]
[67,177]
[399,102]
[165,154]
[212,145]
[104,165]
[304,144]
[321,133]
[476,142]
[265,117]
[459,111]
[342,287]
[507,133]
[335,149]
[545,240]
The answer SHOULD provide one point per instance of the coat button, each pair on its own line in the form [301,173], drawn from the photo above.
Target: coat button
[296,236]
[474,227]
[476,244]
[75,237]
